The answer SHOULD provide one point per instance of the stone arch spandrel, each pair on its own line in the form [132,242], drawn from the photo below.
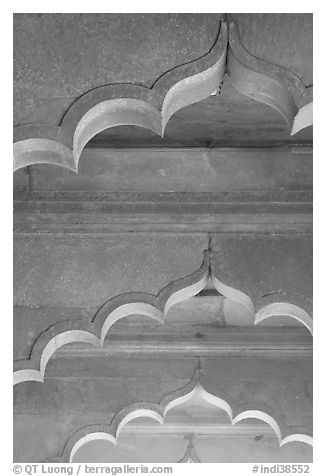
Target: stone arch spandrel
[176,398]
[269,267]
[141,379]
[61,278]
[128,304]
[156,307]
[258,69]
[124,104]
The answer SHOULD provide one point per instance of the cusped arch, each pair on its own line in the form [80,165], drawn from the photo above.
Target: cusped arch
[269,83]
[39,150]
[158,411]
[127,104]
[112,113]
[118,104]
[280,309]
[156,308]
[261,304]
[79,330]
[303,118]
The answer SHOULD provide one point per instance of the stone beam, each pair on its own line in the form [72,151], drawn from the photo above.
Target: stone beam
[179,170]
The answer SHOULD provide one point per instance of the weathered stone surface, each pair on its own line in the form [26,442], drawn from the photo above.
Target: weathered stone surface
[21,180]
[36,438]
[119,49]
[274,211]
[222,448]
[229,119]
[28,322]
[283,39]
[190,327]
[86,271]
[227,448]
[256,448]
[137,219]
[246,380]
[267,263]
[190,170]
[61,277]
[99,390]
[63,56]
[252,450]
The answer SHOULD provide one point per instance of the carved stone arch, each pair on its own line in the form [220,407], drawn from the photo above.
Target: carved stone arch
[158,411]
[78,330]
[261,302]
[156,307]
[268,82]
[122,104]
[151,107]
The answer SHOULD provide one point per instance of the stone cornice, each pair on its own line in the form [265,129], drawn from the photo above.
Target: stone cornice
[266,342]
[234,212]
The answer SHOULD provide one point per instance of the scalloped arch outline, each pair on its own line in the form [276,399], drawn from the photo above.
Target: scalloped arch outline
[269,83]
[155,307]
[122,104]
[158,412]
[151,107]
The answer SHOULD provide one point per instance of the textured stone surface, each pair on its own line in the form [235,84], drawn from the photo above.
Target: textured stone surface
[76,246]
[260,211]
[269,263]
[86,271]
[29,321]
[279,384]
[251,449]
[60,277]
[58,57]
[222,448]
[228,119]
[21,179]
[181,170]
[284,39]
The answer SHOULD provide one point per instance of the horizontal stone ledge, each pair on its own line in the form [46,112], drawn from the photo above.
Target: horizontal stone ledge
[191,223]
[197,348]
[176,169]
[264,341]
[108,209]
[265,196]
[271,212]
[218,430]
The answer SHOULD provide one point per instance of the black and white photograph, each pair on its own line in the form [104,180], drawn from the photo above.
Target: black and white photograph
[163,241]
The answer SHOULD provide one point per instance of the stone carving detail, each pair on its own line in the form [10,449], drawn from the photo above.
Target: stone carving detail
[151,108]
[121,104]
[260,307]
[269,83]
[157,411]
[190,455]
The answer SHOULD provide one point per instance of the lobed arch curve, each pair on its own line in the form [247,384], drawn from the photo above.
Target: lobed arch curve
[269,83]
[156,307]
[158,411]
[123,104]
[151,107]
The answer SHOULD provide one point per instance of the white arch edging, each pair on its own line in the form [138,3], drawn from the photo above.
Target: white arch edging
[285,309]
[55,343]
[206,397]
[303,118]
[149,310]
